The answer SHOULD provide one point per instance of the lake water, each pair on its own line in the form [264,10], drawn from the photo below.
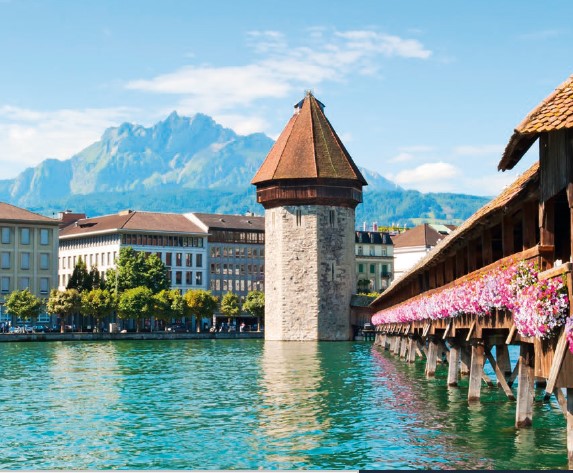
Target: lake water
[250,404]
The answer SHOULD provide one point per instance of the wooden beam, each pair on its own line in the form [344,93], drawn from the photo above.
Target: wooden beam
[465,361]
[472,327]
[500,375]
[547,223]
[525,387]
[502,359]
[558,358]
[454,364]
[432,358]
[561,400]
[512,331]
[411,350]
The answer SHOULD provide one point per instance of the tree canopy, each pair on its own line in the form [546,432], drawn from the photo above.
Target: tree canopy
[135,269]
[24,304]
[97,303]
[63,303]
[168,304]
[200,303]
[136,303]
[255,304]
[230,305]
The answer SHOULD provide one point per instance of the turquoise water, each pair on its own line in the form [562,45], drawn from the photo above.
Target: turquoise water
[250,404]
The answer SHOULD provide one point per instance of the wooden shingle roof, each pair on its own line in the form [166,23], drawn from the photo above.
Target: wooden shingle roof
[308,148]
[553,113]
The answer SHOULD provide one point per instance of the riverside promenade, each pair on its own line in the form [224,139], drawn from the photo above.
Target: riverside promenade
[105,336]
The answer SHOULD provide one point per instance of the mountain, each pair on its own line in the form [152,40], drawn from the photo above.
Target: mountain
[194,164]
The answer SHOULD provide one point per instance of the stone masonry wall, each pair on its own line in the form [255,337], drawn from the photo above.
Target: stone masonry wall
[309,272]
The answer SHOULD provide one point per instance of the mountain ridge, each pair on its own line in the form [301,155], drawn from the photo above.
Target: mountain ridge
[181,161]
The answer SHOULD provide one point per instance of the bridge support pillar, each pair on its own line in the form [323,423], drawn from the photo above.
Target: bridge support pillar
[432,359]
[525,386]
[476,370]
[465,360]
[411,350]
[502,360]
[404,346]
[454,364]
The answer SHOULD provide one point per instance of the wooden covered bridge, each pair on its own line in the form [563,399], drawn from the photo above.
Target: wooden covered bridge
[502,278]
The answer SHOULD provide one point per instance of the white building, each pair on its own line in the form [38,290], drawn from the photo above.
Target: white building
[411,246]
[180,243]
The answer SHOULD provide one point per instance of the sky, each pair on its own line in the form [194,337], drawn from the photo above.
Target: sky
[426,93]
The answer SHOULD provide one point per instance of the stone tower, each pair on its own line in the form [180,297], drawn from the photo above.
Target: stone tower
[309,187]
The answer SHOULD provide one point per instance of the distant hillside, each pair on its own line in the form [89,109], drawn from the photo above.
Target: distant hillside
[194,164]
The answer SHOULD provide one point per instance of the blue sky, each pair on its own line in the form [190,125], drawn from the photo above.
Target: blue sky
[426,93]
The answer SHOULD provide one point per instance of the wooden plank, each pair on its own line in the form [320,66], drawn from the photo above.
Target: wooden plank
[465,361]
[447,331]
[426,329]
[487,380]
[502,359]
[512,331]
[558,357]
[472,327]
[500,375]
[514,374]
[525,387]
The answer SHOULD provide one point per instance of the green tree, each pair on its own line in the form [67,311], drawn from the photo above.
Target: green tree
[24,304]
[136,303]
[134,269]
[255,305]
[97,303]
[64,304]
[80,278]
[199,303]
[95,279]
[168,304]
[230,305]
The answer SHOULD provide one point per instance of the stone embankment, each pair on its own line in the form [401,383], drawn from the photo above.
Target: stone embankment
[90,336]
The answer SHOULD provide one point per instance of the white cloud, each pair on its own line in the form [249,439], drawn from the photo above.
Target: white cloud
[429,177]
[27,137]
[281,68]
[241,124]
[401,158]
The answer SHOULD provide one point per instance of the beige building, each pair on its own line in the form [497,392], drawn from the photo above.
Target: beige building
[28,254]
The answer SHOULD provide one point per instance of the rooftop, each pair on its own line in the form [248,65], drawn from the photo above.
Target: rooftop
[553,113]
[17,214]
[132,220]
[427,235]
[228,222]
[308,148]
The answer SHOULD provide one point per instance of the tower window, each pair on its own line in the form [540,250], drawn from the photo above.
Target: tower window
[332,218]
[298,218]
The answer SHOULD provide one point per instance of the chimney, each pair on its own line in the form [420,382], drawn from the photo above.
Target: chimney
[375,227]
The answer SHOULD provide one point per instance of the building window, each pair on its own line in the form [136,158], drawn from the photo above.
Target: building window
[6,235]
[25,236]
[189,278]
[44,236]
[25,261]
[383,251]
[199,260]
[198,278]
[178,277]
[24,283]
[372,251]
[298,218]
[44,261]
[372,269]
[189,260]
[44,285]
[360,251]
[178,259]
[5,284]
[5,260]
[168,259]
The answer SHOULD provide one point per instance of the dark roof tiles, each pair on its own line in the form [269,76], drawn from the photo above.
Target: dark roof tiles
[11,212]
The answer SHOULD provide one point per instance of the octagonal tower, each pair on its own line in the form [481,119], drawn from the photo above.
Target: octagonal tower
[309,187]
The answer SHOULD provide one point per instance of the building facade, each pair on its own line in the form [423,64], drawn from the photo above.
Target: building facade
[309,187]
[180,244]
[412,245]
[235,254]
[28,255]
[374,260]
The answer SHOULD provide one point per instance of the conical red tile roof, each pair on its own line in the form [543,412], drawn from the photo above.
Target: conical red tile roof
[308,148]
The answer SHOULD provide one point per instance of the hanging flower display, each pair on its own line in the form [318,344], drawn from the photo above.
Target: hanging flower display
[538,305]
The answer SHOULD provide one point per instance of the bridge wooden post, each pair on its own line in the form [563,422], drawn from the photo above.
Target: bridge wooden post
[404,346]
[396,347]
[411,349]
[502,359]
[476,370]
[465,361]
[432,359]
[454,363]
[525,386]
[570,427]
